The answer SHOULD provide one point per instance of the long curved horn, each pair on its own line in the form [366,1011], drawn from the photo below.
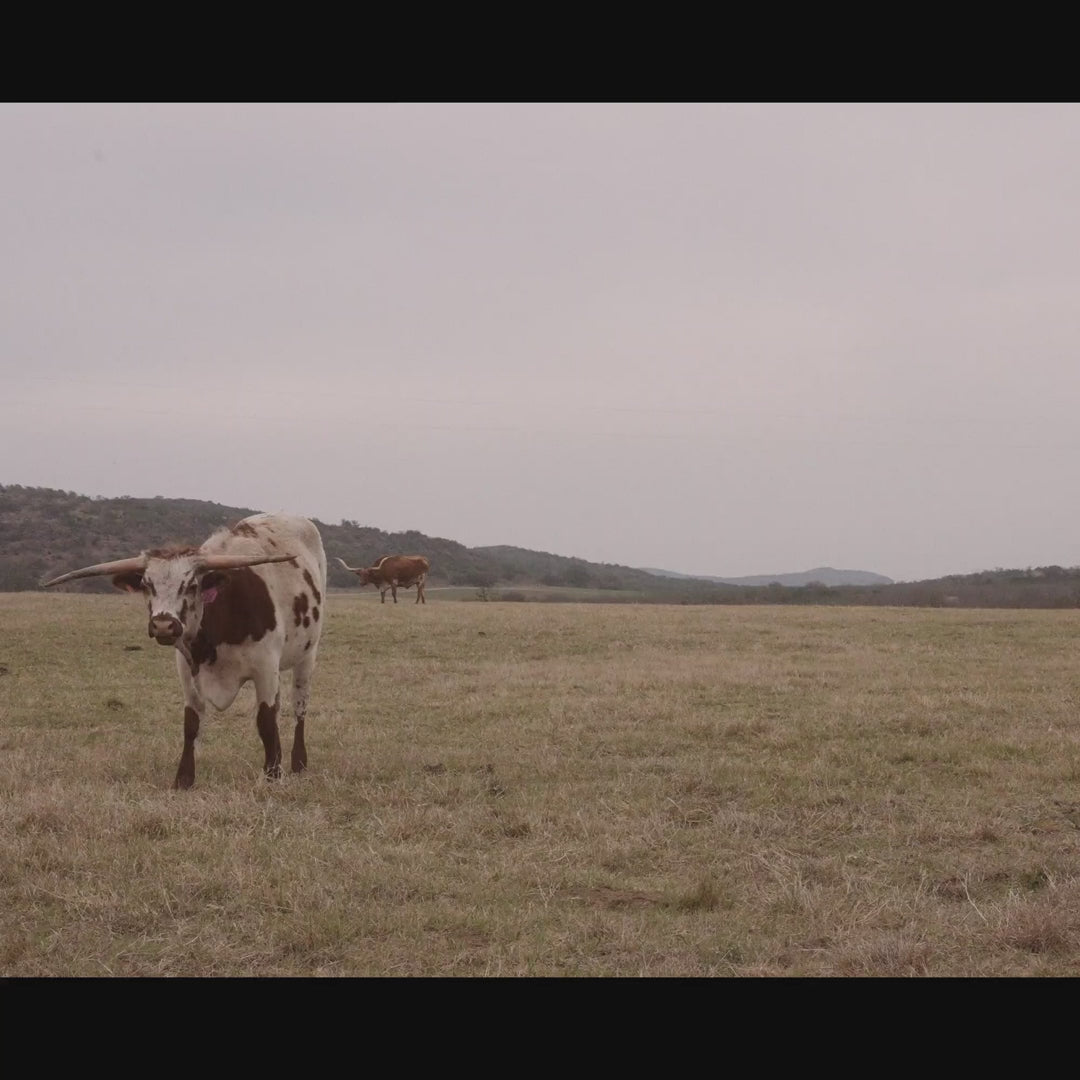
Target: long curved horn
[232,562]
[351,569]
[120,566]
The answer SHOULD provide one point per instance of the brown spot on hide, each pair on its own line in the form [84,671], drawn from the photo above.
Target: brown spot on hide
[315,613]
[312,586]
[242,611]
[203,651]
[243,528]
[300,606]
[214,579]
[307,646]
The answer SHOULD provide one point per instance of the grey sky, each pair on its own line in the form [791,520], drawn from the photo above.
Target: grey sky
[720,339]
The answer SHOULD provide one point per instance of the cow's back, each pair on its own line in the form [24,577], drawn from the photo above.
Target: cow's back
[297,589]
[403,568]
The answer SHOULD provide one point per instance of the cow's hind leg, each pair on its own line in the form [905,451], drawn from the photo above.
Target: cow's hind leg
[301,686]
[268,695]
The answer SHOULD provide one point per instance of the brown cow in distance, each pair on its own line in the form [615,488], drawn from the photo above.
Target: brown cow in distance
[392,572]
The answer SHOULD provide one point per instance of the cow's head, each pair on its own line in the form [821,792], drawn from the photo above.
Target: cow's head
[178,583]
[362,572]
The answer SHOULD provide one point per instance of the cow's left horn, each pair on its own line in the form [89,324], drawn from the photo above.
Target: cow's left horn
[120,566]
[232,562]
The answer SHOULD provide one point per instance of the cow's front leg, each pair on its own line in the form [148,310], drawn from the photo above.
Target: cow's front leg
[393,590]
[194,707]
[269,698]
[185,772]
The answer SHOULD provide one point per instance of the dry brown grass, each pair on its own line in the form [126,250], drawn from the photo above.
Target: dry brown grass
[522,789]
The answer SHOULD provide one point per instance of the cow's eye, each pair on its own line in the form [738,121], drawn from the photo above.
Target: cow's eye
[189,588]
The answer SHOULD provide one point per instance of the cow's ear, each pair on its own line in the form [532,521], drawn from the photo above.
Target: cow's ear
[213,580]
[132,581]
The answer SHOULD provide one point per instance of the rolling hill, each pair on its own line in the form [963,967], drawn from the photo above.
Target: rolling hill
[45,531]
[822,575]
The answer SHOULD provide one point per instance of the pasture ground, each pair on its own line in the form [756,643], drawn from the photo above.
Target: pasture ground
[516,789]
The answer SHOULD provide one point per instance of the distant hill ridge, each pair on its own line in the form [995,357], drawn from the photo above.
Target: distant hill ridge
[821,575]
[44,531]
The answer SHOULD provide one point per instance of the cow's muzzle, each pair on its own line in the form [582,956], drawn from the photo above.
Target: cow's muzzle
[165,629]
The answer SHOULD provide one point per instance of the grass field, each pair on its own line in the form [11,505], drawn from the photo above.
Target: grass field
[516,789]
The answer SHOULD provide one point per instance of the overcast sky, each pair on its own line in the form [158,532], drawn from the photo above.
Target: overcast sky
[717,339]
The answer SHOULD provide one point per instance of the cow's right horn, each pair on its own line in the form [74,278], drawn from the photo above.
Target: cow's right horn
[234,562]
[351,569]
[120,566]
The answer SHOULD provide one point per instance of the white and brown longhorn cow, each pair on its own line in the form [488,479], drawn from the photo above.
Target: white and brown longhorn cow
[393,572]
[244,606]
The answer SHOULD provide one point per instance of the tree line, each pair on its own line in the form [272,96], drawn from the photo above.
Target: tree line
[45,531]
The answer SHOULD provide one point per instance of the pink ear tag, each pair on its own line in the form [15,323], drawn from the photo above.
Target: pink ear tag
[209,595]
